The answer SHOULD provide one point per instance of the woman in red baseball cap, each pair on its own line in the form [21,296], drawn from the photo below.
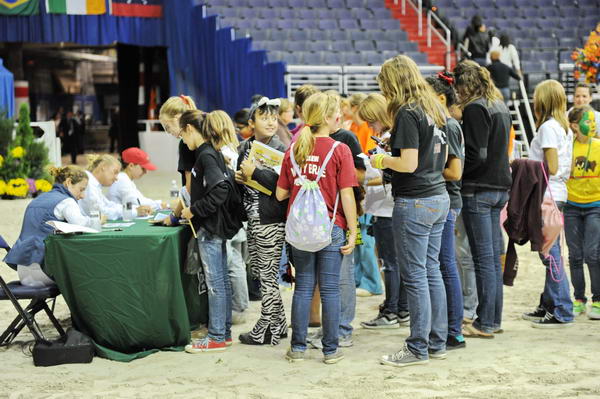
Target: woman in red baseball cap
[135,162]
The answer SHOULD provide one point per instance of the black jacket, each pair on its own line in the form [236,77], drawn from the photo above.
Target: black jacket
[501,73]
[270,210]
[486,128]
[524,212]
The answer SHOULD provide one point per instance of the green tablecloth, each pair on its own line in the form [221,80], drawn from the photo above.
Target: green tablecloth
[126,289]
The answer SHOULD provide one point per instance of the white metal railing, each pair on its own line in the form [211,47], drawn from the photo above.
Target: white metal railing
[527,106]
[344,79]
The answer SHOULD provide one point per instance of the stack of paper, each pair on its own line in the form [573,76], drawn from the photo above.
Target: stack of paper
[70,228]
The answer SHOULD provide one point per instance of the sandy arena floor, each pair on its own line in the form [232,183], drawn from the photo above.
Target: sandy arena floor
[521,363]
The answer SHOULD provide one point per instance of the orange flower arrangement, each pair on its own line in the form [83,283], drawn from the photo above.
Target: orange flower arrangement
[587,59]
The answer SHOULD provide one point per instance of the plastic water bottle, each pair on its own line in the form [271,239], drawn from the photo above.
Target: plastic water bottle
[127,210]
[95,216]
[174,192]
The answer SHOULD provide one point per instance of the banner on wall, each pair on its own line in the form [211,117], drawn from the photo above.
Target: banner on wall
[19,7]
[77,7]
[137,8]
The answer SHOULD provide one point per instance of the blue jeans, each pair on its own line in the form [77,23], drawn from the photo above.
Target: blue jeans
[505,93]
[418,225]
[213,254]
[347,295]
[464,259]
[450,275]
[481,214]
[366,269]
[582,229]
[237,272]
[395,293]
[322,267]
[556,298]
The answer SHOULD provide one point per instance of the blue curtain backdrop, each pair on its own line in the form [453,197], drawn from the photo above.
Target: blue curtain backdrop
[219,71]
[7,91]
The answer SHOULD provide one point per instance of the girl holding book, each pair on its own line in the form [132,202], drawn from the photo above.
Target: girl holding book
[266,222]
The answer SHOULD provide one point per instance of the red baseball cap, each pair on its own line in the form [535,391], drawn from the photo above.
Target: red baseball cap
[139,157]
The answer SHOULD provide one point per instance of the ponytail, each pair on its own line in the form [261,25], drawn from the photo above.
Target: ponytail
[95,160]
[304,145]
[74,172]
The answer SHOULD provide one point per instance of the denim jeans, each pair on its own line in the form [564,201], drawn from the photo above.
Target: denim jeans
[347,295]
[505,93]
[237,272]
[322,267]
[366,268]
[395,293]
[418,225]
[449,270]
[213,254]
[481,214]
[556,298]
[464,258]
[582,228]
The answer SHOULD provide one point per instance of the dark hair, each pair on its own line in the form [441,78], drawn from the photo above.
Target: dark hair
[504,40]
[442,83]
[241,117]
[302,93]
[264,109]
[584,85]
[476,22]
[577,113]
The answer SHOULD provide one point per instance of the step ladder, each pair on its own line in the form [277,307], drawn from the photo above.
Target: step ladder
[521,143]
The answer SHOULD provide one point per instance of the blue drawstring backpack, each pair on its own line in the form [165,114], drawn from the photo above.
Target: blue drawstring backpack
[308,227]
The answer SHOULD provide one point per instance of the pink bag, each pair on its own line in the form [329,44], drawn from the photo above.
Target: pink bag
[552,219]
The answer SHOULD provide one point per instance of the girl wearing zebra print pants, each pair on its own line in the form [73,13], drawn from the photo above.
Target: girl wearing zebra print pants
[266,225]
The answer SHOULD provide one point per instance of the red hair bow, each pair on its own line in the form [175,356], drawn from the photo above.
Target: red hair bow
[448,79]
[185,100]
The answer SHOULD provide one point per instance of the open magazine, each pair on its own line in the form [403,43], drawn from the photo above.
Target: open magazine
[265,157]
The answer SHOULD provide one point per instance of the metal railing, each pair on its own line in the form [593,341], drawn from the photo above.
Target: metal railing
[344,79]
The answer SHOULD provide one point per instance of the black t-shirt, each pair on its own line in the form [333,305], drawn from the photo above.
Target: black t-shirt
[456,149]
[350,139]
[187,159]
[414,130]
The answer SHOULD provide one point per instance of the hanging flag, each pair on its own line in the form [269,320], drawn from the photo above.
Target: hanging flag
[80,7]
[19,7]
[137,8]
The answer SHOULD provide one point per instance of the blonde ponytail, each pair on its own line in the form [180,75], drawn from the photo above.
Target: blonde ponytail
[304,145]
[74,172]
[95,160]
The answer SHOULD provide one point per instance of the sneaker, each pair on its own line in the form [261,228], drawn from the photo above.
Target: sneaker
[343,342]
[549,321]
[228,342]
[537,314]
[455,342]
[334,357]
[294,357]
[402,358]
[594,313]
[382,320]
[361,292]
[205,345]
[438,355]
[403,317]
[578,307]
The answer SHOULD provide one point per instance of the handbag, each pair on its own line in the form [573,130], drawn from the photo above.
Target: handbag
[552,226]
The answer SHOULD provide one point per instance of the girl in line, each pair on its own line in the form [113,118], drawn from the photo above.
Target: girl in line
[442,84]
[582,211]
[134,165]
[419,151]
[57,204]
[321,114]
[485,185]
[209,190]
[380,203]
[266,224]
[102,172]
[553,145]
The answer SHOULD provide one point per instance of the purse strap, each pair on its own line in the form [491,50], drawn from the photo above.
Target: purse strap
[548,184]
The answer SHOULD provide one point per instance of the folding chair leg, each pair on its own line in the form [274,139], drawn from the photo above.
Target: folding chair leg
[53,319]
[11,332]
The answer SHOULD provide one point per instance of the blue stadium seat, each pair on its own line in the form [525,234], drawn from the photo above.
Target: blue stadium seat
[307,14]
[512,12]
[376,35]
[485,4]
[314,3]
[287,13]
[390,24]
[353,58]
[342,13]
[364,45]
[338,35]
[548,42]
[269,13]
[333,59]
[389,54]
[295,45]
[381,13]
[396,34]
[386,45]
[313,58]
[317,34]
[327,24]
[349,24]
[367,24]
[342,45]
[355,3]
[336,4]
[357,34]
[261,35]
[505,4]
[307,23]
[258,3]
[320,45]
[296,34]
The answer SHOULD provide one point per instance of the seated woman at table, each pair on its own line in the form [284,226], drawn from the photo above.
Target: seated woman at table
[102,171]
[60,204]
[134,164]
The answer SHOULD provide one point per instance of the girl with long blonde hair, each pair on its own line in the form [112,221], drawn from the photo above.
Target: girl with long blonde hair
[321,113]
[553,146]
[486,180]
[418,155]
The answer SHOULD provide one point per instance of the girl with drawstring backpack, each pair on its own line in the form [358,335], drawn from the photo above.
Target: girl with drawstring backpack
[582,211]
[552,145]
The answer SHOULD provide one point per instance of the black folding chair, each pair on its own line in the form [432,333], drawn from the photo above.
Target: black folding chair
[39,296]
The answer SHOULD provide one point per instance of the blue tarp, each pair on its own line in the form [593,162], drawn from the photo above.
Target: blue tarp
[7,91]
[219,71]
